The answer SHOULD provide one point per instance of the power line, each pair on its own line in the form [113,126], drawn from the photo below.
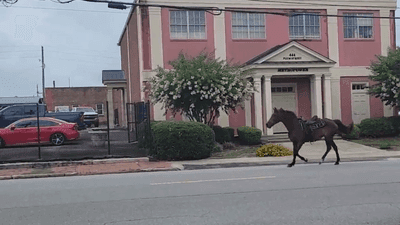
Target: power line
[218,11]
[29,57]
[324,4]
[73,10]
[214,10]
[18,51]
[80,49]
[85,61]
[82,54]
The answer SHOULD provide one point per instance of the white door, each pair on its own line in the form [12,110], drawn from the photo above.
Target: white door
[283,96]
[359,103]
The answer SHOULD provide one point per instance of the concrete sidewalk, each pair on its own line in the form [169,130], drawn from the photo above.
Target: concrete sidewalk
[348,151]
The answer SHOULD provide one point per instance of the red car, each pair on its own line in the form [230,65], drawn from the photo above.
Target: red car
[25,131]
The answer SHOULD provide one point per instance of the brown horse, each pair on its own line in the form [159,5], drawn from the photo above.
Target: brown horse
[298,136]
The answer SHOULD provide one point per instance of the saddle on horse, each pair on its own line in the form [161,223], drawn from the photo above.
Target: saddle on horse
[308,126]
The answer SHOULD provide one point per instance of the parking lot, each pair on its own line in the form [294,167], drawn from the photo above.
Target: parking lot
[81,148]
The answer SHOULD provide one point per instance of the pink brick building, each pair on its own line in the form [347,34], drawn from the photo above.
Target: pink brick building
[305,62]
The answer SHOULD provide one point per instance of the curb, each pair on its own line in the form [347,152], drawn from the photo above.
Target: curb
[26,176]
[267,163]
[43,165]
[30,176]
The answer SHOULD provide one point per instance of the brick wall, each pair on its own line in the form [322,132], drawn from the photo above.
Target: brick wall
[77,96]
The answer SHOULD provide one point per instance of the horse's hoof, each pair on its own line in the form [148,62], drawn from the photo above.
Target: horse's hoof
[320,163]
[306,160]
[336,163]
[289,165]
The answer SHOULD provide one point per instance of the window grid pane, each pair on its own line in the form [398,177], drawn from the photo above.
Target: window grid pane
[248,26]
[187,25]
[305,26]
[358,27]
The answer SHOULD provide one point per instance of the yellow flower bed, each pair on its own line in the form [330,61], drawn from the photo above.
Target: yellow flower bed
[273,150]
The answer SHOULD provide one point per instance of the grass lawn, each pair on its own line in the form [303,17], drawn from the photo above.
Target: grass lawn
[236,152]
[392,143]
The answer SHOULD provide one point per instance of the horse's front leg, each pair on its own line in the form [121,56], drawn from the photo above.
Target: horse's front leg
[296,148]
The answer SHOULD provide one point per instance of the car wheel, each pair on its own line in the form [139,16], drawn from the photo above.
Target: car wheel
[2,143]
[57,139]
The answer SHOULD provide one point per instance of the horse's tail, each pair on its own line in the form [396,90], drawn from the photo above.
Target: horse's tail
[343,128]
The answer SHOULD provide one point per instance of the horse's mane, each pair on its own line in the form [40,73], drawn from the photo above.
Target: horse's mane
[287,112]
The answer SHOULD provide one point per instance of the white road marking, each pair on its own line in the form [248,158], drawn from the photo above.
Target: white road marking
[215,180]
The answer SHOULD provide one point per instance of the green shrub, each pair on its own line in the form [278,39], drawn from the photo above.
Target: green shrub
[249,135]
[355,133]
[273,150]
[221,134]
[181,140]
[377,127]
[231,132]
[395,120]
[385,145]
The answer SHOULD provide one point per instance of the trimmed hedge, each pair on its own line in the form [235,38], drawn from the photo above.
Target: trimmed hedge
[249,135]
[377,127]
[221,134]
[181,140]
[355,133]
[231,132]
[395,120]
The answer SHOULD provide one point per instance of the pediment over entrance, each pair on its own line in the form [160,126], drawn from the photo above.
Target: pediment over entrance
[292,52]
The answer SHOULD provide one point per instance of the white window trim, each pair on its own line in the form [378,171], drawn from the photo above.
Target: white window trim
[102,108]
[357,35]
[304,28]
[248,28]
[187,26]
[365,90]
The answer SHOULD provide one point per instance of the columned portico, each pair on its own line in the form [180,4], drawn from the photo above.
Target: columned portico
[115,80]
[267,102]
[327,96]
[278,69]
[257,104]
[316,92]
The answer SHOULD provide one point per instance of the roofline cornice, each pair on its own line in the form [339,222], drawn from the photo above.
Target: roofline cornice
[127,22]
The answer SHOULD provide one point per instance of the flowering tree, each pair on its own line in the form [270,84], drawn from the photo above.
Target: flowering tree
[200,87]
[386,71]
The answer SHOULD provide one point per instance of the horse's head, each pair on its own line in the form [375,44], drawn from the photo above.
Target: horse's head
[276,117]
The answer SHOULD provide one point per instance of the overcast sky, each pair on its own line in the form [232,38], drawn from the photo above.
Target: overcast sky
[79,39]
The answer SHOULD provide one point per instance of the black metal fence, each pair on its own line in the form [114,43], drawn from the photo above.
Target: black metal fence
[138,115]
[101,142]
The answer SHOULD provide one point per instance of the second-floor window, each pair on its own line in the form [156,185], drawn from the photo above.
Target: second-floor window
[357,26]
[187,24]
[248,26]
[304,26]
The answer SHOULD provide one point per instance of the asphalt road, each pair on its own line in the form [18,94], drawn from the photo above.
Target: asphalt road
[81,148]
[351,193]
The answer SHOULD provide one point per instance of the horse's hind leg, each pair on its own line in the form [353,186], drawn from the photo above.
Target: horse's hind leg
[337,153]
[328,148]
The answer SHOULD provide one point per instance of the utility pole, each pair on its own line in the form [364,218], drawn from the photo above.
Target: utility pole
[43,93]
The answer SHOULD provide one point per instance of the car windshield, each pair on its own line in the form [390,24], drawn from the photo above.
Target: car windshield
[84,109]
